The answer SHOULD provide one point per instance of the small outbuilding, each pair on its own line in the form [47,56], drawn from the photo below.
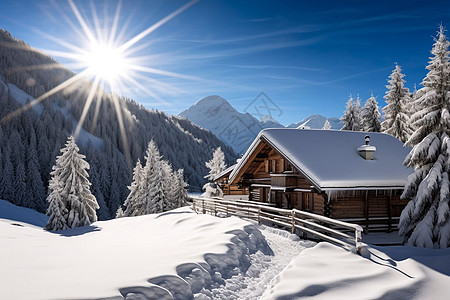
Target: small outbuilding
[348,175]
[222,179]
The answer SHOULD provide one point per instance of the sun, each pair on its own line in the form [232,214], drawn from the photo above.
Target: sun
[106,62]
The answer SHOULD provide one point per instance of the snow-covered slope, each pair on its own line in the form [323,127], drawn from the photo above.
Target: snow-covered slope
[316,122]
[329,272]
[176,253]
[237,129]
[30,140]
[217,115]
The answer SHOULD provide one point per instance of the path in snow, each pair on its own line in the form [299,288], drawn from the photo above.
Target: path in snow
[263,268]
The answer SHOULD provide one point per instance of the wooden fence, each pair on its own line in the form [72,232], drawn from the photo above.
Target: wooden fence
[299,222]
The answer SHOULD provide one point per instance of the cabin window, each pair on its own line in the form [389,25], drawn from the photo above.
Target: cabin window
[287,166]
[397,192]
[307,202]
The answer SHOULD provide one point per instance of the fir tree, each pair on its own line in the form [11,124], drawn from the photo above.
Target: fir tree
[70,185]
[425,221]
[351,118]
[216,165]
[57,209]
[6,180]
[357,125]
[326,125]
[131,203]
[371,116]
[396,111]
[146,201]
[158,188]
[179,192]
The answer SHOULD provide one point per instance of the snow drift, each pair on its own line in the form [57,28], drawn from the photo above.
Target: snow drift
[329,272]
[172,255]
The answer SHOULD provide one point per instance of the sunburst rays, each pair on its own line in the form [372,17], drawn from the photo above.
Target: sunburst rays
[105,61]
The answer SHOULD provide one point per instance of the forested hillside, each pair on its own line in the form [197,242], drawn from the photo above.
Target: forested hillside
[30,141]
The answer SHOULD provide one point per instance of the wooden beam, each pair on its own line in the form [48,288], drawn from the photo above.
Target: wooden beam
[389,212]
[248,162]
[366,211]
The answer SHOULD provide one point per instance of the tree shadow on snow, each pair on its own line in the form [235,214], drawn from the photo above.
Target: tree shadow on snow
[436,259]
[77,231]
[173,213]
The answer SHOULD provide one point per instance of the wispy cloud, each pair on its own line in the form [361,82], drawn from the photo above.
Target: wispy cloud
[308,28]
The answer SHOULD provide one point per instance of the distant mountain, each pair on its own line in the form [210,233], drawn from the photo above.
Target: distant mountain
[30,141]
[237,129]
[217,115]
[316,122]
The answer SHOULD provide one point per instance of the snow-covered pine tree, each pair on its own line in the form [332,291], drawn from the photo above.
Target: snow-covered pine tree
[179,192]
[371,116]
[326,125]
[357,125]
[57,209]
[396,111]
[425,221]
[70,184]
[350,119]
[216,165]
[154,192]
[159,186]
[145,195]
[211,190]
[133,205]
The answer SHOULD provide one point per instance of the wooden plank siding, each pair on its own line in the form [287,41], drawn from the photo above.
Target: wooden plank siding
[268,177]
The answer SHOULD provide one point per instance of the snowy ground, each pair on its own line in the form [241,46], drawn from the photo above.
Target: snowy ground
[176,254]
[329,272]
[182,255]
[264,268]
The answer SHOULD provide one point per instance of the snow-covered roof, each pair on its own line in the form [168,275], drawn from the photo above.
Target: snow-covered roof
[330,159]
[224,172]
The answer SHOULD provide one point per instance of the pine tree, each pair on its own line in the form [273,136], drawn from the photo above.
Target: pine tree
[70,185]
[131,203]
[35,187]
[398,106]
[216,165]
[6,180]
[158,188]
[20,186]
[357,125]
[425,221]
[371,116]
[351,118]
[145,199]
[179,192]
[326,125]
[57,209]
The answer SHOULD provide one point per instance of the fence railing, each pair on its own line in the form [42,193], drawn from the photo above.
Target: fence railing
[299,222]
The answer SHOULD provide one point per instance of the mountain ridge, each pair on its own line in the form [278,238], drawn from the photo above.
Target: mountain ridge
[238,129]
[30,141]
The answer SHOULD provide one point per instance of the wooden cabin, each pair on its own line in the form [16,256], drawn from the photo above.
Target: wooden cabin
[222,179]
[353,176]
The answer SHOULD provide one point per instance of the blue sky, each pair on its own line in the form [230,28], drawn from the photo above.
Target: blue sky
[307,56]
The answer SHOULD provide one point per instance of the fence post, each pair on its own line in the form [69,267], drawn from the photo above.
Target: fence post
[358,241]
[203,206]
[215,208]
[259,215]
[293,221]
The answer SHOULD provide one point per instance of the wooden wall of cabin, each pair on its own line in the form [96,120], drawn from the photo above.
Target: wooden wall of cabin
[353,204]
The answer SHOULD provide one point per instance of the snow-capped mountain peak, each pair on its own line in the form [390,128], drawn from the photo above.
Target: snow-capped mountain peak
[238,129]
